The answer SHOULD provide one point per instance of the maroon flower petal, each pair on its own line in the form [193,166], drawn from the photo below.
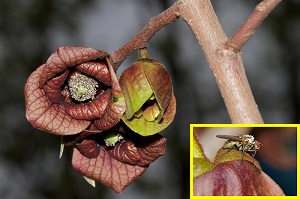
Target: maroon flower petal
[126,152]
[235,178]
[66,57]
[111,116]
[160,82]
[88,148]
[150,148]
[77,138]
[106,169]
[91,110]
[116,106]
[96,69]
[142,151]
[45,115]
[53,88]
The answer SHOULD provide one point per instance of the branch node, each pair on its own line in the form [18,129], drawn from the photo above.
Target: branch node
[242,35]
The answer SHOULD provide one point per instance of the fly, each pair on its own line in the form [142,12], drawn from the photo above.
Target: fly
[244,143]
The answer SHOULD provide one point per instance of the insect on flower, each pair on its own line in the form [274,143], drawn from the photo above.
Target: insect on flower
[244,143]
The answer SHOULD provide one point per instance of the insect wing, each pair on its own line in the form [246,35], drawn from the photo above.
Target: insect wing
[230,137]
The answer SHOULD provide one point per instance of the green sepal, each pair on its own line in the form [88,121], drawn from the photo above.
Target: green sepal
[136,89]
[201,164]
[146,128]
[225,155]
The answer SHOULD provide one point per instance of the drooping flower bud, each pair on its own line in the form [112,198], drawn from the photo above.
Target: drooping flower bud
[149,97]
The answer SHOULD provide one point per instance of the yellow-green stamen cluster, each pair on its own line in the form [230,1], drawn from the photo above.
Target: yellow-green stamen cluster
[82,87]
[112,138]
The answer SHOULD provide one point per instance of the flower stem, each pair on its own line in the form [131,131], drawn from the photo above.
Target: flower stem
[143,53]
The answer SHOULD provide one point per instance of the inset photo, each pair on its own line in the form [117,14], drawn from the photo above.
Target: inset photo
[243,160]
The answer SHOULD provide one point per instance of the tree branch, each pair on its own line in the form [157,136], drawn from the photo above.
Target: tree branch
[226,65]
[223,55]
[241,36]
[141,39]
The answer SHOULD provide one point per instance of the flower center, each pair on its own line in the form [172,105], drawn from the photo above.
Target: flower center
[82,87]
[112,138]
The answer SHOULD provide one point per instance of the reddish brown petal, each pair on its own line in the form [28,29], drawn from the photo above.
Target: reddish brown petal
[160,82]
[66,57]
[135,87]
[96,69]
[110,117]
[92,110]
[73,139]
[125,151]
[53,88]
[116,106]
[150,148]
[43,114]
[235,178]
[88,148]
[107,170]
[116,89]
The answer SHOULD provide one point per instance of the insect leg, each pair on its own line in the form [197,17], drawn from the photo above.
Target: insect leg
[253,154]
[243,153]
[226,152]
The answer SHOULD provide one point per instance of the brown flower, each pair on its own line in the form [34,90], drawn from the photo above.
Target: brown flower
[115,157]
[76,86]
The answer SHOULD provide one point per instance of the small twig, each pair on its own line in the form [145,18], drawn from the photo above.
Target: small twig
[241,36]
[141,39]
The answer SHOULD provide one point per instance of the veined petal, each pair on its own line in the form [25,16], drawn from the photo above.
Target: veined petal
[53,88]
[135,87]
[66,57]
[107,170]
[97,69]
[45,115]
[116,105]
[92,110]
[160,81]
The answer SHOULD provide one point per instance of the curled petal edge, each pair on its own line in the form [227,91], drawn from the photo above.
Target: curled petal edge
[45,115]
[66,57]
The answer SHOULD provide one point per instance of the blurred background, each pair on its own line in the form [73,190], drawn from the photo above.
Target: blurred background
[278,156]
[31,30]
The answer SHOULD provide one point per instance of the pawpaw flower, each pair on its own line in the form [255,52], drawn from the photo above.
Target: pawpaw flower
[115,157]
[75,87]
[149,97]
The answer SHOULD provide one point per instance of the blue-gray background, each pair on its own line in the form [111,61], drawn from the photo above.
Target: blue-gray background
[31,30]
